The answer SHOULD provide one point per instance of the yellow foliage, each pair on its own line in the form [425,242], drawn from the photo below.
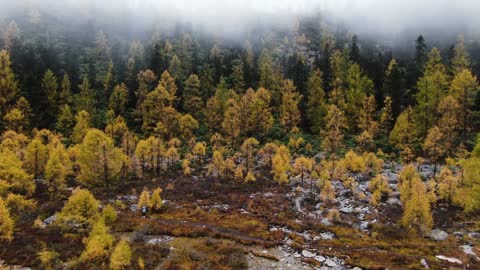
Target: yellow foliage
[109,214]
[6,222]
[327,195]
[281,165]
[121,256]
[81,208]
[378,186]
[373,163]
[250,177]
[354,163]
[156,201]
[186,167]
[144,199]
[98,243]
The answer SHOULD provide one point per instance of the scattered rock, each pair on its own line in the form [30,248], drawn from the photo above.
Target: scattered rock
[469,251]
[425,264]
[327,236]
[346,209]
[319,258]
[326,222]
[458,234]
[330,263]
[474,235]
[50,220]
[438,235]
[448,259]
[356,268]
[394,201]
[307,254]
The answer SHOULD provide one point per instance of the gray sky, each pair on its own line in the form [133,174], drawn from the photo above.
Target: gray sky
[231,15]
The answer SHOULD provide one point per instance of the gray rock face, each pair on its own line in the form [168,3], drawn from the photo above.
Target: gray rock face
[438,235]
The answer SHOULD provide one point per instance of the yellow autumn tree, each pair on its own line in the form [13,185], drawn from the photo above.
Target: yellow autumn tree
[6,222]
[121,256]
[289,111]
[98,243]
[99,160]
[281,165]
[379,188]
[303,166]
[55,174]
[156,201]
[81,209]
[36,156]
[416,211]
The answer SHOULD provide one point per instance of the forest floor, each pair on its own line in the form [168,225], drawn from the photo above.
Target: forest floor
[222,224]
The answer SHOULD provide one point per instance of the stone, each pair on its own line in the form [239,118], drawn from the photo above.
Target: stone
[319,258]
[469,251]
[425,264]
[327,236]
[394,201]
[296,255]
[356,268]
[330,263]
[458,234]
[346,209]
[438,235]
[50,220]
[133,207]
[448,259]
[474,235]
[307,254]
[326,222]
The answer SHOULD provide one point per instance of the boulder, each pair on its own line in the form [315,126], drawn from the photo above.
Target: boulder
[438,235]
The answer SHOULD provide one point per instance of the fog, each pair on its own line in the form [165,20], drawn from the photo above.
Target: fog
[231,17]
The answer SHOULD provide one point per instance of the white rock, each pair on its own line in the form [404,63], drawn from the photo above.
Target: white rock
[330,263]
[327,236]
[319,258]
[394,201]
[438,235]
[346,209]
[448,259]
[356,268]
[425,264]
[469,251]
[50,220]
[307,254]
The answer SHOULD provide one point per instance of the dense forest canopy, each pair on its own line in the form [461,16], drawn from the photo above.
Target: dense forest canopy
[307,98]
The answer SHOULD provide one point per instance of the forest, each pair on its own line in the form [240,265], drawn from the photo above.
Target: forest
[170,146]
